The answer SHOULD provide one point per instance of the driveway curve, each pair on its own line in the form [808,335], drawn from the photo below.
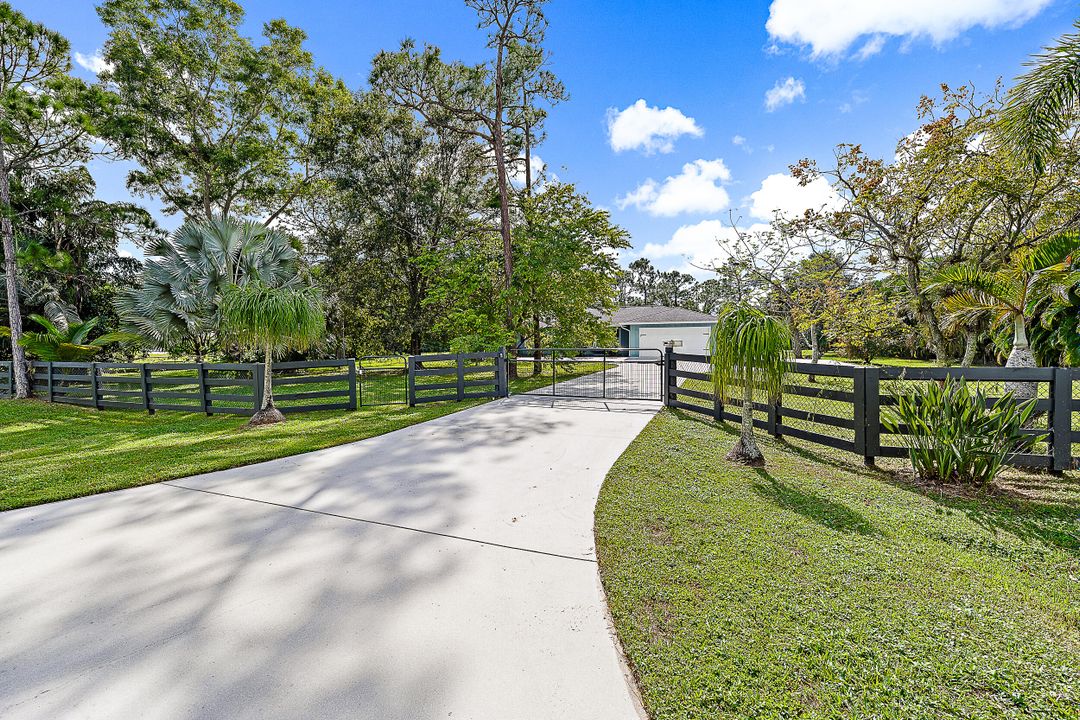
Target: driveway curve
[445,570]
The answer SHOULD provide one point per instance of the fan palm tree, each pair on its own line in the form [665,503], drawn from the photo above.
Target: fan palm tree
[186,274]
[1012,294]
[66,338]
[749,349]
[272,319]
[1044,102]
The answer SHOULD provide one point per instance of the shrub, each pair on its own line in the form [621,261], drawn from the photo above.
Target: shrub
[952,436]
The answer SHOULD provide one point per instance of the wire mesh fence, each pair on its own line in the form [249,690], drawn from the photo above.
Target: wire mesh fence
[383,380]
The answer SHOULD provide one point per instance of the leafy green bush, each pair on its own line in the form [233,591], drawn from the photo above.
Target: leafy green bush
[953,437]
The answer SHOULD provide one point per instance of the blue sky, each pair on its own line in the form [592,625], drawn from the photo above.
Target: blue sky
[838,71]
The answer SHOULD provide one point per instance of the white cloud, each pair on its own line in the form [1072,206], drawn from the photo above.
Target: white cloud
[702,245]
[784,92]
[872,47]
[738,140]
[517,171]
[94,63]
[697,189]
[782,193]
[649,129]
[831,27]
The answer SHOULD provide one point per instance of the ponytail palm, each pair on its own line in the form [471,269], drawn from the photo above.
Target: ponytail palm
[1013,294]
[272,319]
[750,350]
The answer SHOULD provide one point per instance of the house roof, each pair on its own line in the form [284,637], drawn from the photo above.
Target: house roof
[657,315]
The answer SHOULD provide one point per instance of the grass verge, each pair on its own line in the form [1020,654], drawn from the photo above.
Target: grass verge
[50,451]
[818,588]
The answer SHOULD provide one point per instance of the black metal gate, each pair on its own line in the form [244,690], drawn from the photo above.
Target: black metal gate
[612,373]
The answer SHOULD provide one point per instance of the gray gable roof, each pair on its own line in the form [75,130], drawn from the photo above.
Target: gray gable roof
[657,315]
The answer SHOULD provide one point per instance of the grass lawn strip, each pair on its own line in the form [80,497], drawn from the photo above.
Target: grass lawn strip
[818,588]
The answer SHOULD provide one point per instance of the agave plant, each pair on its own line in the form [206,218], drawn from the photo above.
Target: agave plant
[272,320]
[750,349]
[186,274]
[65,337]
[953,436]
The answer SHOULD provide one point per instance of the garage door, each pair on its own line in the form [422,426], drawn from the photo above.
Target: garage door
[690,340]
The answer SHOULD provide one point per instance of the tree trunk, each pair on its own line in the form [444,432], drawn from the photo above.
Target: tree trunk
[268,414]
[504,191]
[746,451]
[1021,357]
[18,352]
[815,347]
[538,366]
[971,344]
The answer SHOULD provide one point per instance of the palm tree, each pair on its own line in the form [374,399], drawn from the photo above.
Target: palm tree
[66,338]
[272,319]
[750,349]
[1013,294]
[1044,102]
[186,274]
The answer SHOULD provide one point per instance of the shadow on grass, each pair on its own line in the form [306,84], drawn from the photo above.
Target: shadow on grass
[1052,522]
[811,505]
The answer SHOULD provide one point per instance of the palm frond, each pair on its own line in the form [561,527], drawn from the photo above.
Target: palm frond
[1040,106]
[749,348]
[257,315]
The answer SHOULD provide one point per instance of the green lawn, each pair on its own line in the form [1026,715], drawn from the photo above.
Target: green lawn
[50,451]
[888,361]
[818,588]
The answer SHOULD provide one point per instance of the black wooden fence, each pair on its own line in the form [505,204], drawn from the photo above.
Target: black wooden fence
[841,408]
[456,376]
[216,388]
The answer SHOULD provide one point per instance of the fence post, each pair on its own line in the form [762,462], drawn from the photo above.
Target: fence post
[460,378]
[145,384]
[669,376]
[411,365]
[204,401]
[858,409]
[502,373]
[776,418]
[257,373]
[871,399]
[49,381]
[352,383]
[94,385]
[1061,419]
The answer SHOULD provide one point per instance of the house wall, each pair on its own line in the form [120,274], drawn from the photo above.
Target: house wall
[694,337]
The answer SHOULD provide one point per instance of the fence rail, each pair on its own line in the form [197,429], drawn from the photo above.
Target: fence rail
[842,409]
[456,376]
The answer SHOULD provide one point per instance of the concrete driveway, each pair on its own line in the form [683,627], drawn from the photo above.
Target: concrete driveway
[442,571]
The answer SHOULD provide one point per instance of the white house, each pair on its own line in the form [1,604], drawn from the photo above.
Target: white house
[654,326]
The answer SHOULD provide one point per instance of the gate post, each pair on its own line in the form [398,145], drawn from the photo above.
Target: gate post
[502,375]
[1061,420]
[669,376]
[50,380]
[352,383]
[411,366]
